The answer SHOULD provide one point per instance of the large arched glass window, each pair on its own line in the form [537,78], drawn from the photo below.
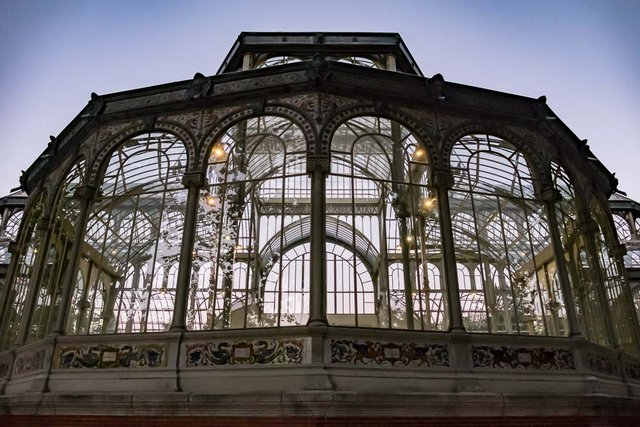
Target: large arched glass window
[251,254]
[500,226]
[584,282]
[18,285]
[132,240]
[616,288]
[61,238]
[386,237]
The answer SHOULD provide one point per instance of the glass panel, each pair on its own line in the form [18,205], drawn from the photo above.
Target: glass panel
[132,240]
[383,236]
[61,237]
[18,284]
[502,242]
[251,256]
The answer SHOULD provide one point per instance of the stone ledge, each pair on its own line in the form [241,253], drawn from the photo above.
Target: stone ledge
[321,404]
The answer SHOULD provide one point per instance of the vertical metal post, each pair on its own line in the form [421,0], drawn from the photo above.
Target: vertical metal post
[193,181]
[550,197]
[86,194]
[319,168]
[442,182]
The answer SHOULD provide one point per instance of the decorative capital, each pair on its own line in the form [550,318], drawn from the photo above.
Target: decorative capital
[550,195]
[442,179]
[318,163]
[319,69]
[200,86]
[95,106]
[86,193]
[194,180]
[437,87]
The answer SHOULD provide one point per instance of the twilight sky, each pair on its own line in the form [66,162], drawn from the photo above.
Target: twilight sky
[583,55]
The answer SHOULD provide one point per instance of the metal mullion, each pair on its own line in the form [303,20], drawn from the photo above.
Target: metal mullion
[353,246]
[412,188]
[249,251]
[386,256]
[58,279]
[281,231]
[214,264]
[93,298]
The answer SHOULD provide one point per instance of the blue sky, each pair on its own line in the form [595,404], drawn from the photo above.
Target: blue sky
[583,55]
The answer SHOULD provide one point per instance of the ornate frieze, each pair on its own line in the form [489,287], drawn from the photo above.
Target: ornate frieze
[5,364]
[602,364]
[522,358]
[112,356]
[367,352]
[284,351]
[260,82]
[147,101]
[632,371]
[30,362]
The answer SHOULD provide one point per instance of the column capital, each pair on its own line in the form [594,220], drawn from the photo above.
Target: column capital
[85,192]
[195,179]
[318,163]
[442,179]
[550,195]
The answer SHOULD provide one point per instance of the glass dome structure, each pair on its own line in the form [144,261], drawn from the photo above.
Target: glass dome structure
[318,217]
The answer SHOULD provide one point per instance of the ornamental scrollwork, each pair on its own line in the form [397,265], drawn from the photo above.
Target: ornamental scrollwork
[256,352]
[602,364]
[367,352]
[522,358]
[29,362]
[112,356]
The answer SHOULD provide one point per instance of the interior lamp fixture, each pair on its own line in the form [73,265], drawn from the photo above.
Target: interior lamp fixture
[218,152]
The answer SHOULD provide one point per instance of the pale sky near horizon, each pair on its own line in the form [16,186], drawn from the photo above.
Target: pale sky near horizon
[583,55]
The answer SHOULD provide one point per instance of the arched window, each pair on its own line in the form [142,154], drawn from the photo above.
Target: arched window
[249,261]
[616,288]
[61,238]
[500,225]
[18,284]
[133,237]
[378,191]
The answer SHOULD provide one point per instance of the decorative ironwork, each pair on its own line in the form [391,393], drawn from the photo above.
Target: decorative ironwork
[632,371]
[602,364]
[5,364]
[113,356]
[522,358]
[389,353]
[286,351]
